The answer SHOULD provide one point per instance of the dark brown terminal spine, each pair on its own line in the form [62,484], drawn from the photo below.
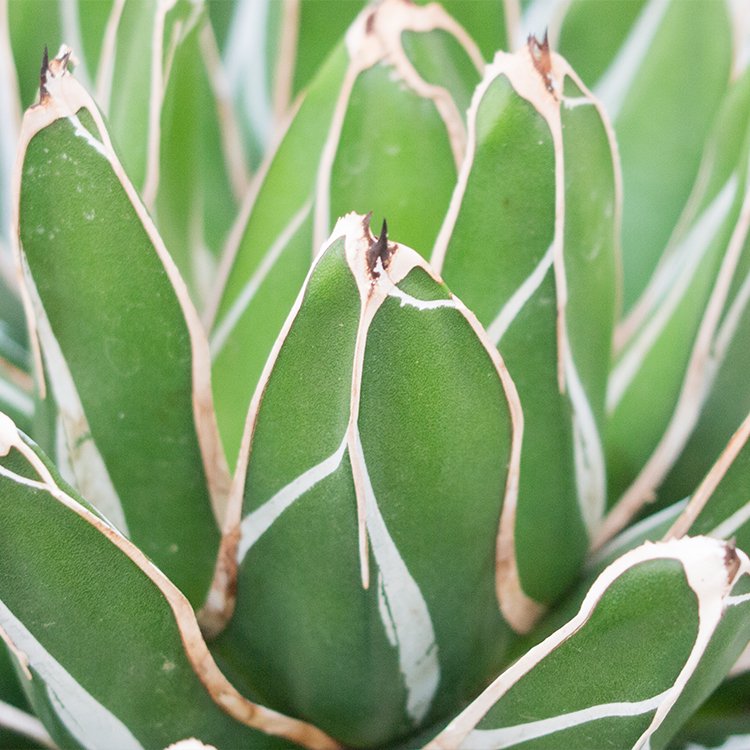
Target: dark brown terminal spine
[379,250]
[43,93]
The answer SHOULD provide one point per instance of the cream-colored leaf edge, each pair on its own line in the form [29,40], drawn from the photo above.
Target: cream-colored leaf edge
[63,97]
[711,567]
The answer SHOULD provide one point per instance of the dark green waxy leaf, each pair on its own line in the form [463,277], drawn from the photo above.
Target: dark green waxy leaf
[660,68]
[656,633]
[377,131]
[414,419]
[126,357]
[529,243]
[679,351]
[110,651]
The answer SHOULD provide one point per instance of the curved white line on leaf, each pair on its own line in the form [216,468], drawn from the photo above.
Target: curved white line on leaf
[256,523]
[87,720]
[730,526]
[489,739]
[614,85]
[524,292]
[407,300]
[403,609]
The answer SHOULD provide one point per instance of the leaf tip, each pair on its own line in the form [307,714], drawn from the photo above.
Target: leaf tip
[43,93]
[379,249]
[540,55]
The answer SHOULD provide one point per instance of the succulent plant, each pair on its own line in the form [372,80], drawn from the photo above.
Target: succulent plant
[374,375]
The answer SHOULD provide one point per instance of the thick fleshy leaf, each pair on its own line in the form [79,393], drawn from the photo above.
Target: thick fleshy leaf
[626,51]
[414,418]
[126,357]
[378,110]
[529,244]
[672,346]
[610,677]
[110,650]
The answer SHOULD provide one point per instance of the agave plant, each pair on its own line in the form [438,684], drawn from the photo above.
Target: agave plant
[275,473]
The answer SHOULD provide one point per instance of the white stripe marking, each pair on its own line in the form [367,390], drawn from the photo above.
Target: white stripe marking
[256,523]
[488,739]
[87,136]
[81,714]
[613,87]
[691,252]
[230,320]
[421,304]
[496,330]
[729,526]
[733,601]
[402,608]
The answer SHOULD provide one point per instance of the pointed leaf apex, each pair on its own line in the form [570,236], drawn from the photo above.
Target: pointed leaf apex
[379,250]
[43,94]
[540,54]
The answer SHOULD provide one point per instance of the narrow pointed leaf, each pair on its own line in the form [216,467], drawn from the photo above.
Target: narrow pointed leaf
[110,649]
[529,243]
[197,169]
[671,348]
[368,116]
[380,362]
[126,357]
[610,677]
[628,52]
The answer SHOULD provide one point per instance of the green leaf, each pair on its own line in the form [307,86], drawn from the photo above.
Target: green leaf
[125,353]
[19,729]
[529,243]
[674,346]
[110,650]
[414,418]
[368,118]
[657,632]
[197,170]
[627,52]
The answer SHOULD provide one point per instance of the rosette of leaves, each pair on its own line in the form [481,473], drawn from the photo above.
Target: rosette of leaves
[271,476]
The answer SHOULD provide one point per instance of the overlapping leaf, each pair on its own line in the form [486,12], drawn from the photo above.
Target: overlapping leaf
[414,419]
[108,648]
[674,349]
[126,358]
[660,68]
[529,244]
[381,129]
[657,631]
